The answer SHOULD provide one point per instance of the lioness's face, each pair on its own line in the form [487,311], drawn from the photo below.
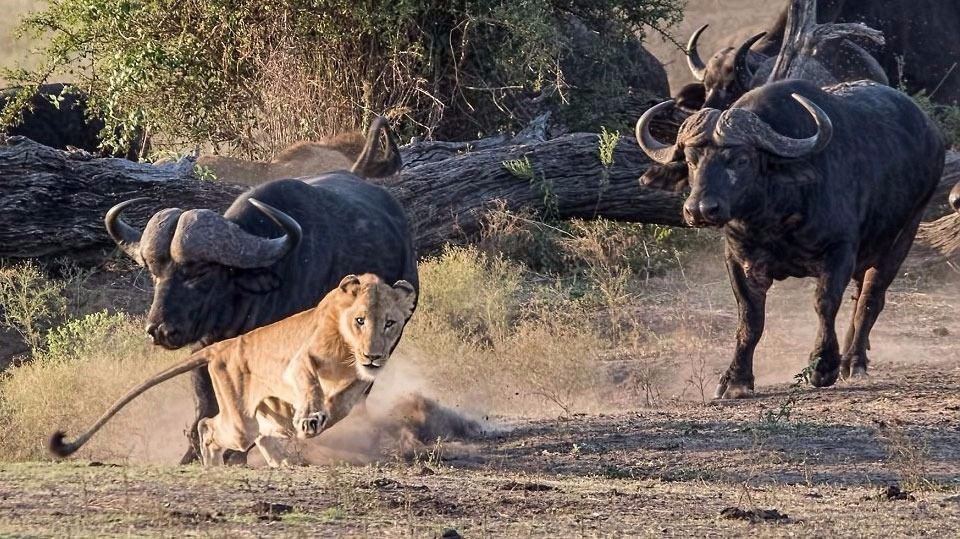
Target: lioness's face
[374,318]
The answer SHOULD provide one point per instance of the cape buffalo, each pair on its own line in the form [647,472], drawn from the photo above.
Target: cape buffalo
[216,277]
[808,182]
[57,116]
[919,54]
[732,72]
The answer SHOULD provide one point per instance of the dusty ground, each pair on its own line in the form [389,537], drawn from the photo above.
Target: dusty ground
[822,458]
[663,471]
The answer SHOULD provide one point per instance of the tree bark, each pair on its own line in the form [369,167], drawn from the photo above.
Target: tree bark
[446,200]
[52,202]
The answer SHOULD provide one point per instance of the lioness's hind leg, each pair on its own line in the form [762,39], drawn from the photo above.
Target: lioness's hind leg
[211,451]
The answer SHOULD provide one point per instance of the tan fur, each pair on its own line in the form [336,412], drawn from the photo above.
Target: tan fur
[293,378]
[302,159]
[371,156]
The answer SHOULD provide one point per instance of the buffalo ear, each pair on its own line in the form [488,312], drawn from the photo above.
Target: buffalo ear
[350,284]
[256,281]
[408,294]
[670,177]
[691,97]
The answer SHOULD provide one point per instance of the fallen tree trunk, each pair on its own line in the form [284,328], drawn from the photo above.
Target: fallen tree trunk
[559,178]
[52,202]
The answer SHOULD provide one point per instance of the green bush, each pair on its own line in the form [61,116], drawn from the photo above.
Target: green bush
[258,74]
[479,334]
[30,302]
[947,117]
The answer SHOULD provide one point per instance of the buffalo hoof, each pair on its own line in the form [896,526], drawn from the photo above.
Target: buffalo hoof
[824,379]
[310,425]
[734,390]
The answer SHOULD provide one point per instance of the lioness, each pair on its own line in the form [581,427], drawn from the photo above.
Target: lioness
[291,378]
[348,151]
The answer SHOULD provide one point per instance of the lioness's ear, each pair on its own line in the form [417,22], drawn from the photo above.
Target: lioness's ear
[408,294]
[350,284]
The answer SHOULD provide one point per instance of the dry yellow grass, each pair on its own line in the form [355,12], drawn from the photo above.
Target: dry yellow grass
[15,51]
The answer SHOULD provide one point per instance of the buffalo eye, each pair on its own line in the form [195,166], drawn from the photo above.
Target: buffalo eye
[359,320]
[741,161]
[389,324]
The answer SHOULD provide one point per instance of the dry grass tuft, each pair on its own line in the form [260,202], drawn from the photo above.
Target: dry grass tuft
[87,363]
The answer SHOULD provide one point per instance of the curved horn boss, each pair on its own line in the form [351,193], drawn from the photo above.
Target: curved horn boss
[743,125]
[204,235]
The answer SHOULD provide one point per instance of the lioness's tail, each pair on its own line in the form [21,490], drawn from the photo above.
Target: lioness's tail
[367,164]
[58,447]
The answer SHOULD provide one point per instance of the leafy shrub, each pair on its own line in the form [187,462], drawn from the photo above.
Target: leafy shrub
[475,322]
[471,293]
[30,301]
[947,117]
[259,74]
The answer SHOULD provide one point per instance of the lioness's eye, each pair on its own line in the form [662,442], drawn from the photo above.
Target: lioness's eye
[359,320]
[389,323]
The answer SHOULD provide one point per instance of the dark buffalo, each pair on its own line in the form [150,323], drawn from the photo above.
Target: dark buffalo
[732,72]
[57,116]
[216,277]
[920,51]
[922,42]
[808,182]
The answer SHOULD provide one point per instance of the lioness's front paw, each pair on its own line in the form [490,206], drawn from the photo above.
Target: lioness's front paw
[310,425]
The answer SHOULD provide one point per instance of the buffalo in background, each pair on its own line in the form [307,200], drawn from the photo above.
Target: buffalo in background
[57,115]
[732,72]
[920,52]
[808,182]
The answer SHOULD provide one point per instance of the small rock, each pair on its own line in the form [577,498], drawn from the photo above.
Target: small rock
[753,515]
[891,492]
[450,533]
[385,483]
[941,332]
[270,511]
[529,487]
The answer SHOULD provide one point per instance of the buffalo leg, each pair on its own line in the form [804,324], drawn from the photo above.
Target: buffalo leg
[751,294]
[825,358]
[872,300]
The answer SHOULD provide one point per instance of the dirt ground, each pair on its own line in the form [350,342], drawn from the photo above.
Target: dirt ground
[874,456]
[673,471]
